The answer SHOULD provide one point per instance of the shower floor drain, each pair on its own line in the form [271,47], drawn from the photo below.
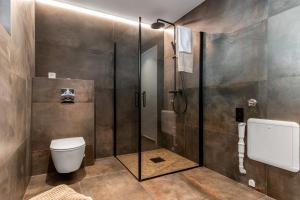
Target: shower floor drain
[157,159]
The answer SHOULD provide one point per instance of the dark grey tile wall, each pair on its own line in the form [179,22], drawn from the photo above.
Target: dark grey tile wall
[16,70]
[186,140]
[80,46]
[53,120]
[252,50]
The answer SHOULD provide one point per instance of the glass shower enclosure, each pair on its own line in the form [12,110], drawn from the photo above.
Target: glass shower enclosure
[153,134]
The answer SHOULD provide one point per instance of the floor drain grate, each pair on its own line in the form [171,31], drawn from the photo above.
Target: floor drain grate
[157,159]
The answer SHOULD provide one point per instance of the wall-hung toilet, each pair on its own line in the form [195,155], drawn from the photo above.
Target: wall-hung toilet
[67,154]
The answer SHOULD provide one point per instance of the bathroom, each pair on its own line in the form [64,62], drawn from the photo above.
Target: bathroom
[100,101]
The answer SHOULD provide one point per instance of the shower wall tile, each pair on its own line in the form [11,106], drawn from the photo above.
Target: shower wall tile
[126,36]
[16,69]
[215,16]
[192,143]
[284,44]
[80,46]
[278,6]
[168,39]
[191,117]
[236,57]
[127,71]
[251,52]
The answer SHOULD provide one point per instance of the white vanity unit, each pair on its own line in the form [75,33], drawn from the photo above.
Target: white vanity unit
[274,142]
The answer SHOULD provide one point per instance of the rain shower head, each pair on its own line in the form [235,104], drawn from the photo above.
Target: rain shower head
[157,25]
[160,23]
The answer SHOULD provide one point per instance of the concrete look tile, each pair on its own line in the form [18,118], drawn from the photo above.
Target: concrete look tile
[173,187]
[16,66]
[283,184]
[63,120]
[236,57]
[48,90]
[104,166]
[117,186]
[284,43]
[218,186]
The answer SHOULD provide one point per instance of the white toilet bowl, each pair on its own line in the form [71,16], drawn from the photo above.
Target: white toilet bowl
[67,154]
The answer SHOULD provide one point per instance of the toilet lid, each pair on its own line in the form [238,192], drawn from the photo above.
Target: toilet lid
[67,143]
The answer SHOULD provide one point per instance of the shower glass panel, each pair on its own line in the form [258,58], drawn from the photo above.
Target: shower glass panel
[169,139]
[154,133]
[126,117]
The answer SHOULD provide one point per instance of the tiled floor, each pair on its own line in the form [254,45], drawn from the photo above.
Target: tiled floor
[109,180]
[173,162]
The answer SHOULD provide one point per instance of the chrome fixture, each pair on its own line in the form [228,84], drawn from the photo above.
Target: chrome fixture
[67,95]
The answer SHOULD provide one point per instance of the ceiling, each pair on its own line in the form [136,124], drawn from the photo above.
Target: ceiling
[149,10]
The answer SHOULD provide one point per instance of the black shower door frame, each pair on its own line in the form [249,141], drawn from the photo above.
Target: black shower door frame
[201,108]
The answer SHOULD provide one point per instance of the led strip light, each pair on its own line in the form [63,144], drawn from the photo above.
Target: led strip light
[90,12]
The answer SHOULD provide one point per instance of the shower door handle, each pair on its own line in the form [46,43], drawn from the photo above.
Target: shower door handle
[136,99]
[144,99]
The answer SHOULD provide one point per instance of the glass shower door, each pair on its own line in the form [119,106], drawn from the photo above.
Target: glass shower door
[126,128]
[169,139]
[151,137]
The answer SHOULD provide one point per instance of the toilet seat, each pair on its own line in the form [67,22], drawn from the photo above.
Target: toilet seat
[67,144]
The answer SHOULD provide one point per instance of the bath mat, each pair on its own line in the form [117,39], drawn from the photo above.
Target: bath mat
[61,192]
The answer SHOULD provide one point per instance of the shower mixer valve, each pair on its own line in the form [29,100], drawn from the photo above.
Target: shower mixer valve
[175,92]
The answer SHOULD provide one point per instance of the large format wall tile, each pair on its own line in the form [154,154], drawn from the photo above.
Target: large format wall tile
[216,16]
[51,90]
[236,57]
[79,46]
[52,119]
[284,44]
[283,184]
[283,99]
[56,120]
[72,63]
[220,103]
[221,153]
[258,61]
[16,69]
[64,28]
